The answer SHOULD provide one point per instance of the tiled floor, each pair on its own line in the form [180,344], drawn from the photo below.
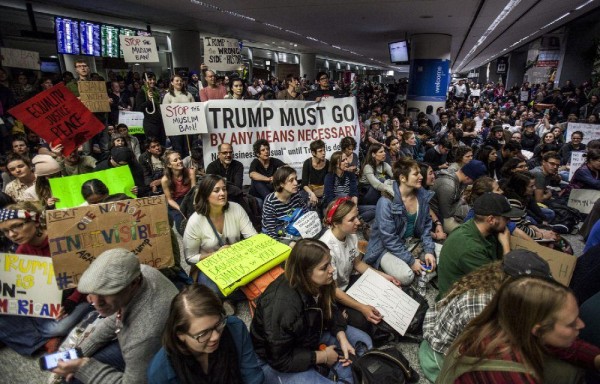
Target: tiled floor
[16,369]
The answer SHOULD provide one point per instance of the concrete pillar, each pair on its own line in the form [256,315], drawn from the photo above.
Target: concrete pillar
[429,70]
[308,66]
[188,48]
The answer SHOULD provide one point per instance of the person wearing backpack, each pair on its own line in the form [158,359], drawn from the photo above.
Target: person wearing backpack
[298,332]
[527,334]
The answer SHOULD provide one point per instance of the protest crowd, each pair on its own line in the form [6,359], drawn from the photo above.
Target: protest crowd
[427,202]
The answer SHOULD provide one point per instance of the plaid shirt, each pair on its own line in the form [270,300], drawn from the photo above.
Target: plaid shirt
[442,326]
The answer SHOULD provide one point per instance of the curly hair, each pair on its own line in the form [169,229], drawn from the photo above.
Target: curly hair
[487,278]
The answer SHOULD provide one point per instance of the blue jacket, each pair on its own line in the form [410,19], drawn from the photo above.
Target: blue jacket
[161,371]
[390,224]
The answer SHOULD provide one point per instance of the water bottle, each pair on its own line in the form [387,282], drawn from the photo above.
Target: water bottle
[422,284]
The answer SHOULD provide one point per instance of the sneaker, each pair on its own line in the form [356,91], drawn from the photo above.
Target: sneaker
[560,228]
[52,345]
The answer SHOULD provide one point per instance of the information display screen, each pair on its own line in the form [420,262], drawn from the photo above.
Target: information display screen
[126,32]
[67,36]
[90,38]
[143,33]
[110,41]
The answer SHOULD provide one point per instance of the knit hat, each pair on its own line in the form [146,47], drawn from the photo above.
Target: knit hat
[45,165]
[110,273]
[474,169]
[491,203]
[120,154]
[521,262]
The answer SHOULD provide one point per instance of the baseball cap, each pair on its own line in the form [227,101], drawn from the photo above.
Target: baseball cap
[375,121]
[528,124]
[494,204]
[474,169]
[522,262]
[110,273]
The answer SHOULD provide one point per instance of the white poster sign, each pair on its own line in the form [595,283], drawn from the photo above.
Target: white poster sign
[222,54]
[524,96]
[309,225]
[397,308]
[18,58]
[590,131]
[289,127]
[28,286]
[583,199]
[139,49]
[133,120]
[183,119]
[577,160]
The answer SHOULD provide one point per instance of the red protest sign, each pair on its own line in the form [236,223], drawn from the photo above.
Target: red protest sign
[59,118]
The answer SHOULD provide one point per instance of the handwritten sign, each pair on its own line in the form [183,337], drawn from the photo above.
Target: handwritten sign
[308,225]
[139,49]
[524,95]
[183,119]
[590,131]
[583,200]
[94,96]
[577,160]
[58,117]
[243,262]
[397,308]
[28,286]
[78,235]
[561,264]
[68,188]
[133,120]
[288,125]
[223,54]
[18,58]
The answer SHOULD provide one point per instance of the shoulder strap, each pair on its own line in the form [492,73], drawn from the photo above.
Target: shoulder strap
[219,239]
[470,364]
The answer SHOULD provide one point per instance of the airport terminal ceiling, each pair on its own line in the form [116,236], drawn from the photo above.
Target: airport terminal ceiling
[354,30]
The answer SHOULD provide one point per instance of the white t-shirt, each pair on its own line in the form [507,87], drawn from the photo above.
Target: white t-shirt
[343,254]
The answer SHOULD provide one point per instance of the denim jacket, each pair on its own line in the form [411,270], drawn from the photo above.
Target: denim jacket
[390,224]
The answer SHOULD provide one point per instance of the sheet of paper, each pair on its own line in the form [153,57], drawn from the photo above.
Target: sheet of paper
[397,308]
[308,225]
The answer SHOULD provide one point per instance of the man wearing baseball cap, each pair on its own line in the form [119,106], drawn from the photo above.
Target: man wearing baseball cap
[477,242]
[134,301]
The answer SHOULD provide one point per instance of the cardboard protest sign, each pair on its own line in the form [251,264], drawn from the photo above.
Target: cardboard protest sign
[78,235]
[28,286]
[289,126]
[583,200]
[243,262]
[139,49]
[561,264]
[94,96]
[58,117]
[133,120]
[17,58]
[577,160]
[183,119]
[68,188]
[590,131]
[223,54]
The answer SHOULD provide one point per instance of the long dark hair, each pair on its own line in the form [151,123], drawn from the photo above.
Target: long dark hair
[205,188]
[172,89]
[223,366]
[369,159]
[169,171]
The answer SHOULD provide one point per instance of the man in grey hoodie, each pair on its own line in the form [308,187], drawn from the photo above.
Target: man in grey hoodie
[449,187]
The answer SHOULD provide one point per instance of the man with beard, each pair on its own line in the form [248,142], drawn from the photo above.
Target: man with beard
[477,242]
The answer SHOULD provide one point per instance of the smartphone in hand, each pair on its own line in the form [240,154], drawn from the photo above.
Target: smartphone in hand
[49,362]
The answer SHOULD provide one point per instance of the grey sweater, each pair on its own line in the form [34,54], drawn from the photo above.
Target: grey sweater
[142,324]
[448,191]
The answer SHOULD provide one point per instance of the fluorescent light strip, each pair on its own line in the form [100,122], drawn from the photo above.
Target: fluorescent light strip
[552,22]
[583,5]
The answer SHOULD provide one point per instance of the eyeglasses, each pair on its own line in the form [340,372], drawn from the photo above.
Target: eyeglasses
[323,78]
[204,336]
[577,138]
[553,164]
[227,152]
[17,227]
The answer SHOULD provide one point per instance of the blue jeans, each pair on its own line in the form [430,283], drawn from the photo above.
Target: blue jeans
[367,212]
[273,376]
[109,355]
[25,335]
[260,189]
[550,215]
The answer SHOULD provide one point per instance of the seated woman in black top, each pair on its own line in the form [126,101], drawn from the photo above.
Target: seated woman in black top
[314,170]
[262,169]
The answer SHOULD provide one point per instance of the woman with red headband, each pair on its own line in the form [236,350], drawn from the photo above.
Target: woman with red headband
[342,220]
[22,223]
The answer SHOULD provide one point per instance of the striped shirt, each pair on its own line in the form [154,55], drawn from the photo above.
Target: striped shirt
[274,209]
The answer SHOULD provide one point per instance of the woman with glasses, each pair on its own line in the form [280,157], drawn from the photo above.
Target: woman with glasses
[202,345]
[299,334]
[23,224]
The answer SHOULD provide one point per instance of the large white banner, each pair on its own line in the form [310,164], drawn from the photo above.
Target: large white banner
[289,126]
[221,54]
[139,49]
[590,131]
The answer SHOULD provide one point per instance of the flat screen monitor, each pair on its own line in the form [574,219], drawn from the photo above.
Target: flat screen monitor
[49,66]
[399,52]
[67,35]
[126,32]
[143,33]
[90,38]
[110,41]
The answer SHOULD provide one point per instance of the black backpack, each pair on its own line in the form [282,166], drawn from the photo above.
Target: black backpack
[384,365]
[567,216]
